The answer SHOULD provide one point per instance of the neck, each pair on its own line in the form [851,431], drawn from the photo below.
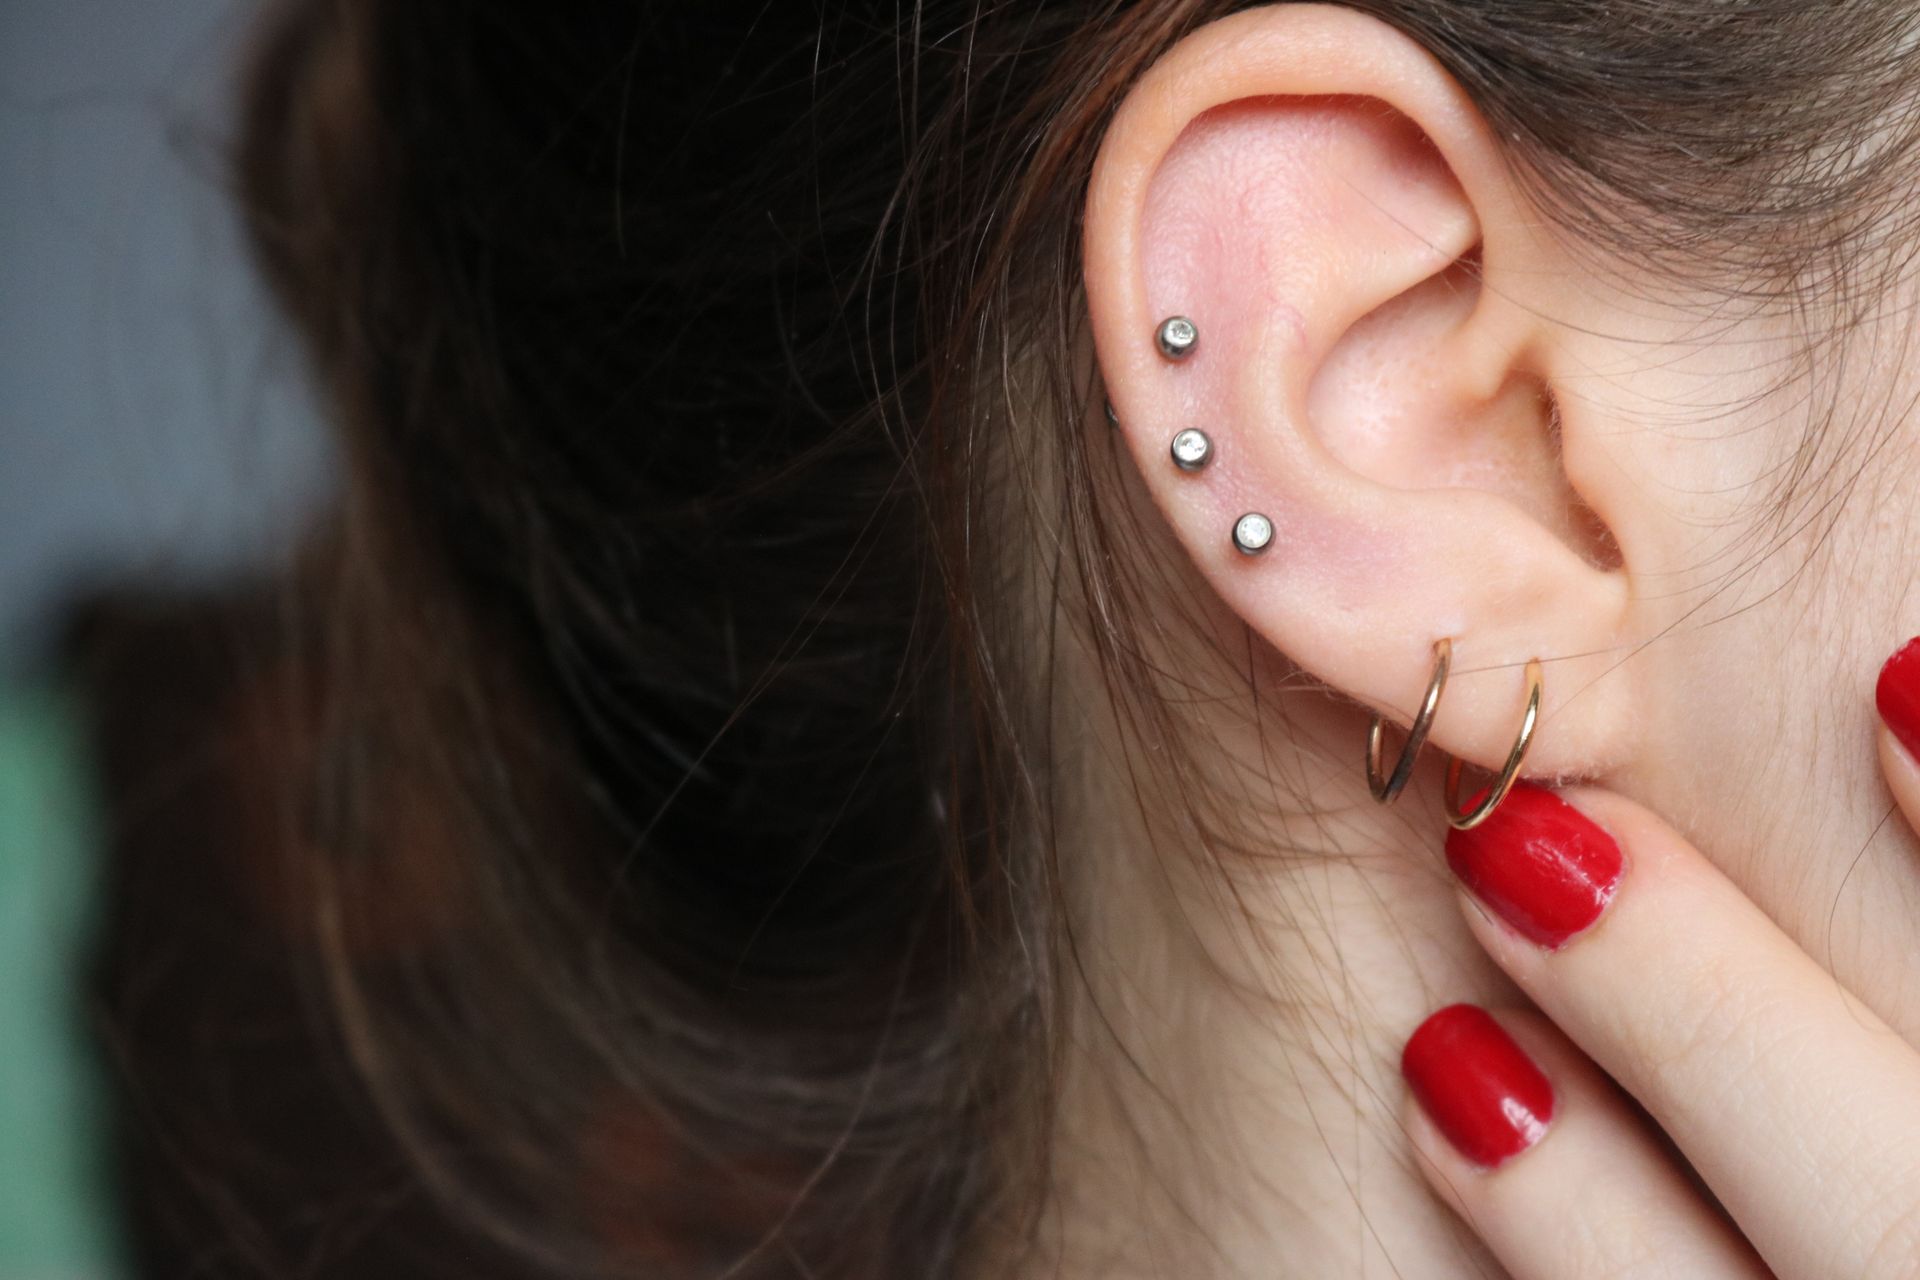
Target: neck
[1229,1100]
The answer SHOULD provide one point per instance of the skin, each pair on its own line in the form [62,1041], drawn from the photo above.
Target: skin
[1796,1105]
[1443,402]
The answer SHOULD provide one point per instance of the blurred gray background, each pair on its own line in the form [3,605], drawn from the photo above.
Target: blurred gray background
[153,419]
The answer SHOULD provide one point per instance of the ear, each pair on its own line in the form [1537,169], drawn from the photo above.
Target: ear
[1370,291]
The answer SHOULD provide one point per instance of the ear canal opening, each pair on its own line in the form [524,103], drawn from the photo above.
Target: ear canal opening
[1469,263]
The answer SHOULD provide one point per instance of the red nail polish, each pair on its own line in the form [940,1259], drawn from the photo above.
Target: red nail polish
[1480,1088]
[1540,864]
[1898,695]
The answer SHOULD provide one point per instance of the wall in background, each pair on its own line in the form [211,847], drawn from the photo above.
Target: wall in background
[153,418]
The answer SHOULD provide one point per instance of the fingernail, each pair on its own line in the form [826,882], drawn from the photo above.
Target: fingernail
[1898,695]
[1479,1088]
[1539,863]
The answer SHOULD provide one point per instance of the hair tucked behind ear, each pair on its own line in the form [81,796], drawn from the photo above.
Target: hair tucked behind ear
[670,862]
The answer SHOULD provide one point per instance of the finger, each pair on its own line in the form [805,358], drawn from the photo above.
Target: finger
[1898,696]
[1544,1158]
[1799,1108]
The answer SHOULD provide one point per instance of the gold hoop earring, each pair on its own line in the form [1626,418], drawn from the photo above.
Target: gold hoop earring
[1386,789]
[1466,821]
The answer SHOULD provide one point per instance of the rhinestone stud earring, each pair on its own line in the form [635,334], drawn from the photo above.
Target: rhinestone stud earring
[1176,337]
[1191,450]
[1251,533]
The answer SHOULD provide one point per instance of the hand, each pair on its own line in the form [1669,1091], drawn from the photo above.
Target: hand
[1796,1107]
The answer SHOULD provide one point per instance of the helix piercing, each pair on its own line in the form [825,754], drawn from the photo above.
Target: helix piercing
[1251,533]
[1466,820]
[1176,337]
[1386,789]
[1191,449]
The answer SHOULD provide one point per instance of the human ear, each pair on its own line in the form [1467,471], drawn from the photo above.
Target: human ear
[1371,291]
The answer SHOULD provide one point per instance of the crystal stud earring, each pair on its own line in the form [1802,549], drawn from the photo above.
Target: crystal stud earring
[1191,449]
[1251,533]
[1176,337]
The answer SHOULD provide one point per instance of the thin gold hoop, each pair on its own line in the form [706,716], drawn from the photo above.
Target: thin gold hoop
[1387,789]
[1466,821]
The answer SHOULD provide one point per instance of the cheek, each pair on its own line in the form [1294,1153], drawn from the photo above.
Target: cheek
[1774,570]
[1678,442]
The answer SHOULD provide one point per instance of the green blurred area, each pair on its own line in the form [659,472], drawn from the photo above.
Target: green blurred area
[55,1218]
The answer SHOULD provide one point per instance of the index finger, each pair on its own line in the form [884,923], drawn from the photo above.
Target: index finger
[1795,1103]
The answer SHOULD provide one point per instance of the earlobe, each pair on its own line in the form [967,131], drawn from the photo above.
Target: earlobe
[1351,426]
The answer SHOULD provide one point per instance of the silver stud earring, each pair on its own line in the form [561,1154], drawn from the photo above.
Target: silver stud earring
[1251,533]
[1191,449]
[1113,419]
[1176,337]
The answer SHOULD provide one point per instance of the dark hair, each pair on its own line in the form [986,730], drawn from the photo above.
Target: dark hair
[672,851]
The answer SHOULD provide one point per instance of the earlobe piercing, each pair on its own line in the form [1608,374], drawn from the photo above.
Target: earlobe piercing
[1113,418]
[1251,533]
[1191,449]
[1176,337]
[1387,789]
[1466,821]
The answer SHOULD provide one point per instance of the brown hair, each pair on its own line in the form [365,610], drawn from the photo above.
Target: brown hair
[675,816]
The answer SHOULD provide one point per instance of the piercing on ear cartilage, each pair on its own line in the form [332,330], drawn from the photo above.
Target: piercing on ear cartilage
[1469,819]
[1386,788]
[1176,337]
[1191,449]
[1251,533]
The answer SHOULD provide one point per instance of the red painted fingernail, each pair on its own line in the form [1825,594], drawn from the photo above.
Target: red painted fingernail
[1898,695]
[1480,1088]
[1540,864]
